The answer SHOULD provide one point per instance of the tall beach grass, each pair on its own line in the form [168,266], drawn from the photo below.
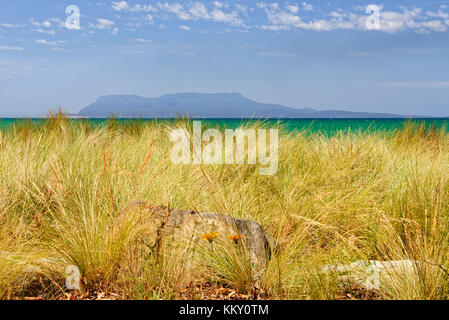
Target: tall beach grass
[335,200]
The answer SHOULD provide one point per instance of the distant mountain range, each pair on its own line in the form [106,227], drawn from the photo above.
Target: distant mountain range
[198,105]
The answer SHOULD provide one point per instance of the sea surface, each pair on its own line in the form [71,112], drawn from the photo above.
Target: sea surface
[324,126]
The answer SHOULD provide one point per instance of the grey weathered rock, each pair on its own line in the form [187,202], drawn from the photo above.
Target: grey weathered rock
[186,228]
[375,274]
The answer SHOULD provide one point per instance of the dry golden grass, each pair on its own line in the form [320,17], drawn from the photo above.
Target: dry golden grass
[372,196]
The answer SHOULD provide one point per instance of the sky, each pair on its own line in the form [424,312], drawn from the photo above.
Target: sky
[390,56]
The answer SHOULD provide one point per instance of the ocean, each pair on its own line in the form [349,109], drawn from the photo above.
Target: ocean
[324,126]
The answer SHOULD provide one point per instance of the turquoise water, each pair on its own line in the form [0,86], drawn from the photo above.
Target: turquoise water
[325,126]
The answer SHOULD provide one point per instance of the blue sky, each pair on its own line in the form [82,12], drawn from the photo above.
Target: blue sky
[317,54]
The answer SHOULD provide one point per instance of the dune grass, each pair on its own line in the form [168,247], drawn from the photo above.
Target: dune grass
[335,200]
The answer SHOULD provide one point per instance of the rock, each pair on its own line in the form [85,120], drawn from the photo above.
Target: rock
[375,275]
[189,228]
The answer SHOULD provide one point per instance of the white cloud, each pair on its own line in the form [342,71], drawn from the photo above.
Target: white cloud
[124,6]
[46,24]
[143,8]
[9,25]
[177,9]
[293,9]
[282,17]
[2,47]
[143,40]
[149,18]
[439,14]
[434,25]
[409,19]
[50,32]
[50,43]
[307,6]
[275,27]
[58,22]
[390,21]
[218,4]
[102,24]
[231,18]
[241,8]
[184,27]
[395,21]
[120,5]
[198,11]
